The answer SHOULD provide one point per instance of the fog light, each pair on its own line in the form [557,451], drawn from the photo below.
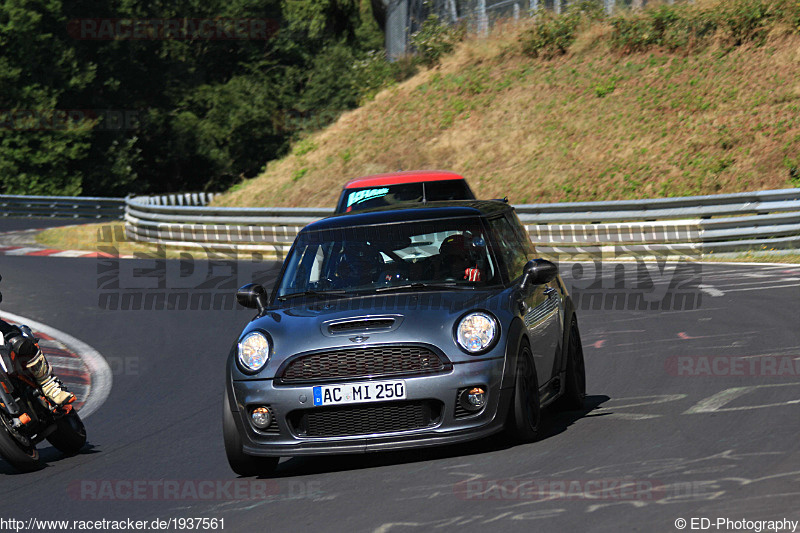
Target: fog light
[476,397]
[261,417]
[472,399]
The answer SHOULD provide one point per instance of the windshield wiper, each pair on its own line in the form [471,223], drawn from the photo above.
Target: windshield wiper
[443,286]
[320,294]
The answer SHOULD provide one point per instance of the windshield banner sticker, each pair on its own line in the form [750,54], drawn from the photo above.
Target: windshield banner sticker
[367,194]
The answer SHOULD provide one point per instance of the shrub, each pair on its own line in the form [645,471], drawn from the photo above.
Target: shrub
[434,39]
[669,26]
[684,25]
[552,35]
[375,73]
[745,20]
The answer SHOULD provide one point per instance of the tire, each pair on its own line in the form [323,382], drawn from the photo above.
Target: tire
[241,463]
[575,386]
[70,434]
[17,450]
[526,411]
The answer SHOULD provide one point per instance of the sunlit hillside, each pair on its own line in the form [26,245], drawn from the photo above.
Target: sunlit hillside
[602,121]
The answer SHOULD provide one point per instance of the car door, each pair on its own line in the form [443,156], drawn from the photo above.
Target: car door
[541,306]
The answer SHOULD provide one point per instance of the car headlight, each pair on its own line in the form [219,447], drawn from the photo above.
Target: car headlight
[476,332]
[253,351]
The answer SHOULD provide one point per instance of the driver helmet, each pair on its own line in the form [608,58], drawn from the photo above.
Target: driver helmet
[454,246]
[359,264]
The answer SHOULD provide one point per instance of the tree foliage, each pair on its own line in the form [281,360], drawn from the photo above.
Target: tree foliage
[114,115]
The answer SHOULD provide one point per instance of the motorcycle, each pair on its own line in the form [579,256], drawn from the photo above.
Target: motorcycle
[27,417]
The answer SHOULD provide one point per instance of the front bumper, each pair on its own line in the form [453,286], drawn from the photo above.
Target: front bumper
[448,428]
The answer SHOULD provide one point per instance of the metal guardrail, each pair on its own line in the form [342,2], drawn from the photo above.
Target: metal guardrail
[673,226]
[268,230]
[187,199]
[405,17]
[61,206]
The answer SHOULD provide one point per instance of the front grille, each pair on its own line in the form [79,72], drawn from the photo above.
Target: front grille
[365,419]
[361,325]
[363,362]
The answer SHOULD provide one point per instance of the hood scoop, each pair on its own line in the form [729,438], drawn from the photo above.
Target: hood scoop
[378,324]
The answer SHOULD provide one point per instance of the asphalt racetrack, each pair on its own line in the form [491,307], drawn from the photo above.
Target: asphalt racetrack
[693,412]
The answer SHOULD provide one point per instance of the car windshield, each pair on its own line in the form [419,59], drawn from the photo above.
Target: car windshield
[368,197]
[440,254]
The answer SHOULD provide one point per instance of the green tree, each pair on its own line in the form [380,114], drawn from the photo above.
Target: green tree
[41,146]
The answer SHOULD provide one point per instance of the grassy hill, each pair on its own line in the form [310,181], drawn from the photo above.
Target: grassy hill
[711,104]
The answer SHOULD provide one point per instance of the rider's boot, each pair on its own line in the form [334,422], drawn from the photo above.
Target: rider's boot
[51,386]
[41,371]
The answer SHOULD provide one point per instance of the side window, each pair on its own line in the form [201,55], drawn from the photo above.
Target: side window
[524,237]
[509,247]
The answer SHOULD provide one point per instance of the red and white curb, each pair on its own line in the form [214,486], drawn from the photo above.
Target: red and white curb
[20,243]
[82,369]
[22,250]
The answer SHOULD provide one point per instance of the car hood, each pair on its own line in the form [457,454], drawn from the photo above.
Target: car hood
[397,318]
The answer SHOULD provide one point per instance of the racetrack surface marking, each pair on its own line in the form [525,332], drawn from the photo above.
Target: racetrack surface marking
[89,377]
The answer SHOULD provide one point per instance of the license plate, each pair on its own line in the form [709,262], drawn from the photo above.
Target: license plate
[368,391]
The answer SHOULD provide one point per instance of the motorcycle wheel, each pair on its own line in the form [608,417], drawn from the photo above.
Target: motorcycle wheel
[70,434]
[17,449]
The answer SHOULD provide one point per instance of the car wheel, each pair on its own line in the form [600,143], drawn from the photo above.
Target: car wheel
[240,462]
[575,386]
[70,434]
[526,416]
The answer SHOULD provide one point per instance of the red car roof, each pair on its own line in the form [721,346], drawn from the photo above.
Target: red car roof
[407,176]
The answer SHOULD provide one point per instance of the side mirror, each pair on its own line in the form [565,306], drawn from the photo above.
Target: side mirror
[253,296]
[537,272]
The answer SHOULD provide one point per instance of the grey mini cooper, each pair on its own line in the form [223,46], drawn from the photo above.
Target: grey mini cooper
[397,328]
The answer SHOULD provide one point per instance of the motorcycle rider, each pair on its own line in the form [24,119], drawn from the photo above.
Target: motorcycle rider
[28,356]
